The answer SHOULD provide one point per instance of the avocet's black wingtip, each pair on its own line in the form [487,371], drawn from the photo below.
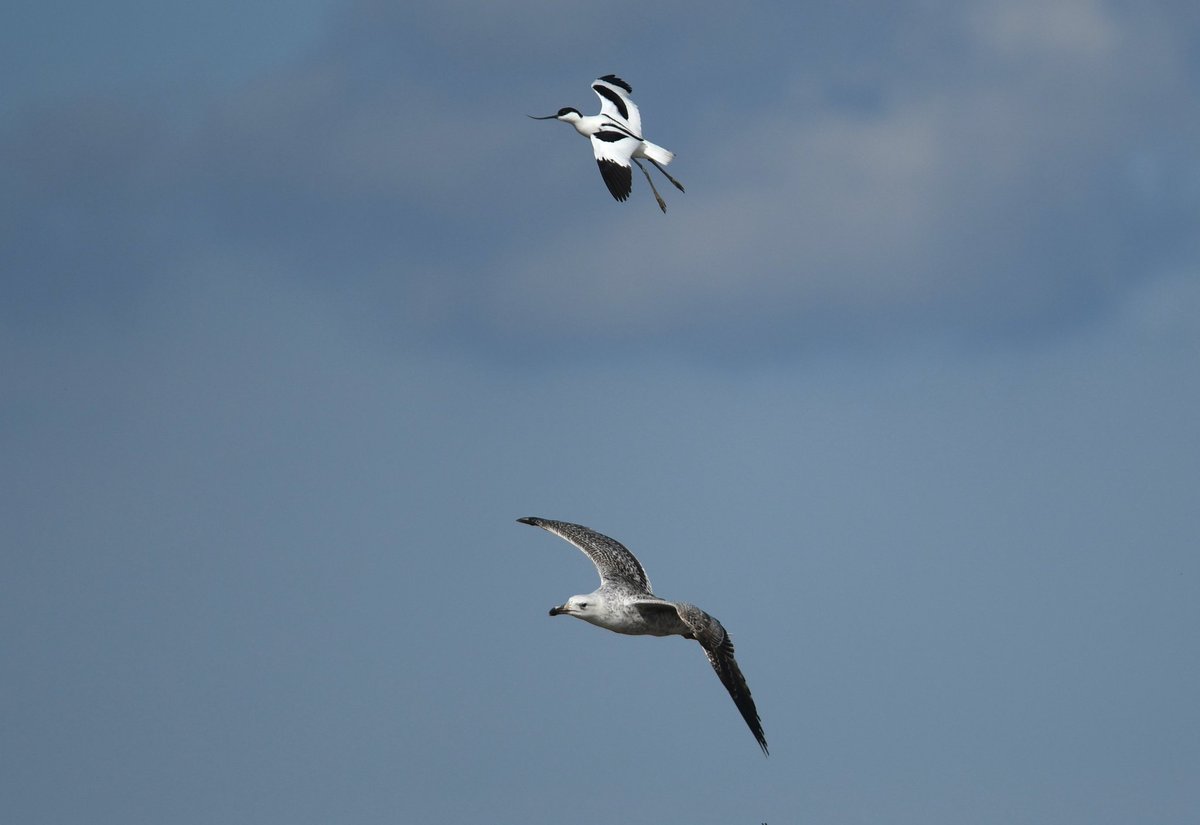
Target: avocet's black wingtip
[616,81]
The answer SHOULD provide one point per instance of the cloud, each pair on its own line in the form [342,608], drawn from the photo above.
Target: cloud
[978,173]
[1066,28]
[988,196]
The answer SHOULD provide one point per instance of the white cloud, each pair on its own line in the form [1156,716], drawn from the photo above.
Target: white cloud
[1072,28]
[1167,307]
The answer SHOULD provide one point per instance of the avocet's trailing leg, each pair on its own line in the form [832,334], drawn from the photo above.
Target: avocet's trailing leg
[616,136]
[661,203]
[678,185]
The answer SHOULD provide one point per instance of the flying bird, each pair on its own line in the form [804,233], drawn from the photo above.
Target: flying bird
[624,603]
[616,135]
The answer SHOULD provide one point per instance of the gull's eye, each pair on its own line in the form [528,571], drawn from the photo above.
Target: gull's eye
[583,605]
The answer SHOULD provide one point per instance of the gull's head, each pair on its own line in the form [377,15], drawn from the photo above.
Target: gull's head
[566,114]
[578,606]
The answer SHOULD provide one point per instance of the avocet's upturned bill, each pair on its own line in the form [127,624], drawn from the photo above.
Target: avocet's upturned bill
[624,603]
[616,135]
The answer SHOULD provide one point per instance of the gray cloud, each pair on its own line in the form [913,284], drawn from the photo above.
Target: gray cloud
[995,171]
[995,195]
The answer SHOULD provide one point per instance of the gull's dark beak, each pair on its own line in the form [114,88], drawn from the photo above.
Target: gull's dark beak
[547,117]
[554,611]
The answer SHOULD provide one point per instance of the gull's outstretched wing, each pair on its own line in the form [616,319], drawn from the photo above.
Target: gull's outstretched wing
[613,562]
[616,103]
[719,648]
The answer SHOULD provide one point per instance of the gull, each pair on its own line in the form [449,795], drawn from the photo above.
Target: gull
[624,603]
[616,135]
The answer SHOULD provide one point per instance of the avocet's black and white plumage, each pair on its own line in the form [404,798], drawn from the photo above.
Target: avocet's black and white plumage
[624,603]
[616,136]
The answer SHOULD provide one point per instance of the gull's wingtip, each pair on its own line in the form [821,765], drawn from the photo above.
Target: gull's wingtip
[531,520]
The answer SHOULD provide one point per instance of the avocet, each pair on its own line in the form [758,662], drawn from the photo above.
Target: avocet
[616,136]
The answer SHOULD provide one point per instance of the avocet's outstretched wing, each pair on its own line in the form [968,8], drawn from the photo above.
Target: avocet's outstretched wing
[615,102]
[613,562]
[613,148]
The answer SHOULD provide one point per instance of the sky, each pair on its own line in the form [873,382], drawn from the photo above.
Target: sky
[299,313]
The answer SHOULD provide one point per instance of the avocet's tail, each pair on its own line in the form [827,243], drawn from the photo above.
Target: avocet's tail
[656,153]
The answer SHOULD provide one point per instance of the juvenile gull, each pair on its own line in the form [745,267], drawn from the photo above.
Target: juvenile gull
[624,603]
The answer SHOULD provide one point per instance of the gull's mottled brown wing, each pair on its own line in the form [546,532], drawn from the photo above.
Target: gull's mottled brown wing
[719,648]
[614,563]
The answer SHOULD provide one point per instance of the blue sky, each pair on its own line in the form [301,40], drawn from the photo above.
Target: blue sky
[299,313]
